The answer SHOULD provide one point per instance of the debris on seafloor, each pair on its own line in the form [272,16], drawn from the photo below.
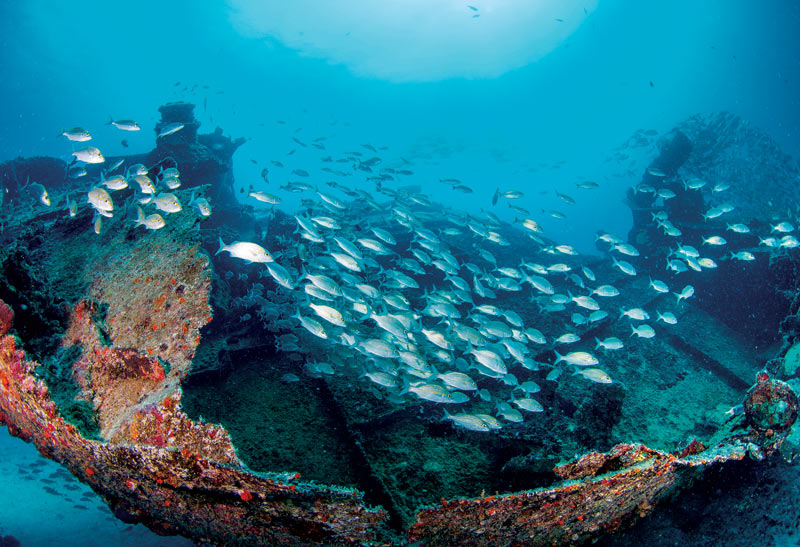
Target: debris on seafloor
[153,464]
[605,492]
[184,486]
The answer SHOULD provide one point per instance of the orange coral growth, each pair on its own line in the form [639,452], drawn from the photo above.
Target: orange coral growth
[6,317]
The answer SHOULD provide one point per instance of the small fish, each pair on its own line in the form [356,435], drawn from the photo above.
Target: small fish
[528,387]
[432,392]
[77,172]
[598,315]
[72,207]
[555,214]
[610,343]
[720,187]
[171,182]
[694,184]
[90,154]
[565,198]
[783,227]
[505,411]
[330,200]
[566,249]
[265,197]
[665,193]
[311,325]
[384,236]
[168,203]
[586,302]
[532,225]
[686,292]
[329,314]
[658,286]
[553,375]
[667,317]
[531,405]
[608,238]
[743,255]
[714,240]
[290,378]
[168,172]
[201,204]
[625,267]
[125,125]
[567,338]
[645,189]
[637,314]
[606,290]
[40,192]
[244,250]
[595,375]
[656,172]
[383,379]
[76,134]
[643,331]
[114,182]
[100,199]
[738,228]
[458,380]
[626,249]
[677,266]
[578,358]
[151,222]
[136,170]
[687,251]
[735,411]
[169,129]
[280,275]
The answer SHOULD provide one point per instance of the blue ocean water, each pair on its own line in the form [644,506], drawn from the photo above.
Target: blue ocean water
[531,96]
[45,505]
[474,109]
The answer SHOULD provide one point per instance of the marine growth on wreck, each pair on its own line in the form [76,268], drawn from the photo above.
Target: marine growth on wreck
[379,317]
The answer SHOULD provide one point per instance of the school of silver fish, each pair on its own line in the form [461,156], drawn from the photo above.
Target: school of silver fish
[409,296]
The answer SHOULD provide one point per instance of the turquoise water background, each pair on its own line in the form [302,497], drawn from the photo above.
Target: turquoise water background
[495,100]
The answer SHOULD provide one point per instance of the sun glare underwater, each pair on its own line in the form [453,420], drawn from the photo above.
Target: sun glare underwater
[488,272]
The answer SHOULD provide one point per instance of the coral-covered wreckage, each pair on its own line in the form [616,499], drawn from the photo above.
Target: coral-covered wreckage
[99,334]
